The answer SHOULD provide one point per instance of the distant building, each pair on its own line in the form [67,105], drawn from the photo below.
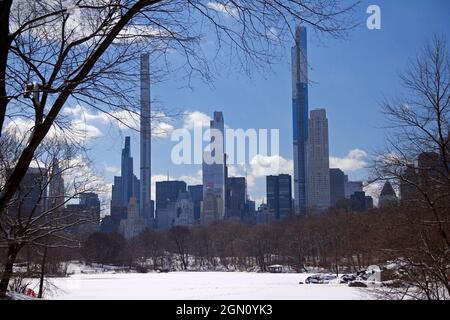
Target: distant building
[279,195]
[318,161]
[134,224]
[210,205]
[408,189]
[337,186]
[87,209]
[56,190]
[31,197]
[125,187]
[214,172]
[196,194]
[352,186]
[250,214]
[183,211]
[431,170]
[359,201]
[167,193]
[265,215]
[387,196]
[236,197]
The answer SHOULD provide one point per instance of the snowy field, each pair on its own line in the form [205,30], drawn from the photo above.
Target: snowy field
[199,286]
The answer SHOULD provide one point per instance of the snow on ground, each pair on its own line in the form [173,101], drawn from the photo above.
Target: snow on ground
[199,286]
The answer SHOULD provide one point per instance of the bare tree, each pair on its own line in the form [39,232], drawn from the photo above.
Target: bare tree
[417,159]
[180,238]
[36,215]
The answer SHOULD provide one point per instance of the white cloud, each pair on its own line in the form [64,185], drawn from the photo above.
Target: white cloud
[355,160]
[227,9]
[270,165]
[122,119]
[111,169]
[374,190]
[78,130]
[196,119]
[258,169]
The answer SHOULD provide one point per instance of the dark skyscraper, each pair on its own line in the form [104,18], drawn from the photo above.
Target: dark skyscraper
[124,186]
[168,191]
[279,195]
[337,186]
[196,194]
[236,197]
[300,116]
[127,172]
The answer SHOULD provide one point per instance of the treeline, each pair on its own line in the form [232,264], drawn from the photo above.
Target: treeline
[336,241]
[333,240]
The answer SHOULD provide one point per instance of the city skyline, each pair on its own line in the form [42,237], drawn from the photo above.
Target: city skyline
[269,94]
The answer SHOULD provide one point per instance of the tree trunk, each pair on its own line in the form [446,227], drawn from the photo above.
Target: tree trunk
[41,281]
[13,250]
[5,42]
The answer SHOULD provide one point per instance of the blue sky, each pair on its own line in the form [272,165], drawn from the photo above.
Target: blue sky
[349,79]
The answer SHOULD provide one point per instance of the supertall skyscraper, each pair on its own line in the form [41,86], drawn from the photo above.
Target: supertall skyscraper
[146,207]
[214,171]
[318,184]
[300,116]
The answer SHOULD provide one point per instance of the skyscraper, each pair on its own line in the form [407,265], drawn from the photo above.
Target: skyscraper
[55,188]
[236,197]
[351,187]
[214,165]
[318,161]
[127,173]
[146,207]
[124,187]
[279,195]
[168,191]
[31,197]
[337,186]
[300,116]
[196,194]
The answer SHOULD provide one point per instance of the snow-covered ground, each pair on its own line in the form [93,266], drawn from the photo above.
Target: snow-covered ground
[199,286]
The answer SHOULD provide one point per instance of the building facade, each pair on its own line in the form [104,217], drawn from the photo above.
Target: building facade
[236,197]
[318,183]
[337,186]
[279,195]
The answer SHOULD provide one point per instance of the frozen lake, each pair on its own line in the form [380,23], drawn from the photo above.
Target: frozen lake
[199,286]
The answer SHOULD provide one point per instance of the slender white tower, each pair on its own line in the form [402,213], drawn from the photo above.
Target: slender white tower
[146,209]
